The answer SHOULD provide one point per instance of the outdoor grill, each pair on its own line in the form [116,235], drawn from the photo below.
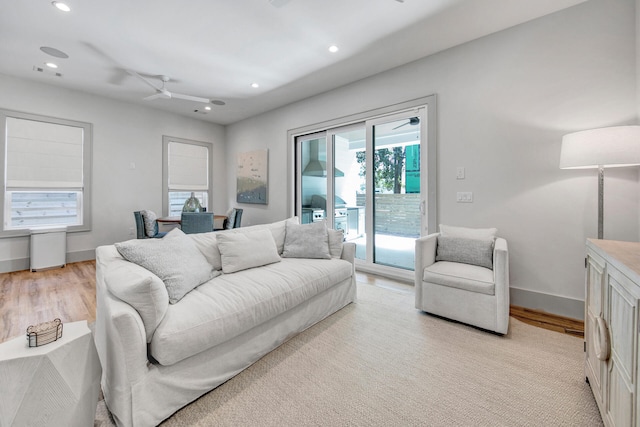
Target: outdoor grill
[319,202]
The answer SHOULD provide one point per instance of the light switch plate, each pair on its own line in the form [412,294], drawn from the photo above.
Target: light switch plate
[464,197]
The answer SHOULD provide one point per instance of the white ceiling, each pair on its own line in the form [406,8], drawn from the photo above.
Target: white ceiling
[216,48]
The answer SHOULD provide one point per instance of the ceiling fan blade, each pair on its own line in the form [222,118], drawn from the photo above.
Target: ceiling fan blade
[118,76]
[152,97]
[147,81]
[160,94]
[191,98]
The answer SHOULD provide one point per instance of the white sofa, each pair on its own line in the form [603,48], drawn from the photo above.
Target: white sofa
[158,356]
[468,281]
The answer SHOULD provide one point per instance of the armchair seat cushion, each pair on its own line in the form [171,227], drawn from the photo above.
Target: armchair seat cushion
[462,276]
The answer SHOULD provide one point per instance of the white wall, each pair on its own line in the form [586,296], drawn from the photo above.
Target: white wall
[504,103]
[122,134]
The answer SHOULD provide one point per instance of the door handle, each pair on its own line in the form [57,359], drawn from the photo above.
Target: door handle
[601,342]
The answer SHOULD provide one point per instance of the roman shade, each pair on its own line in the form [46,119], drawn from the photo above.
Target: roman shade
[188,167]
[43,155]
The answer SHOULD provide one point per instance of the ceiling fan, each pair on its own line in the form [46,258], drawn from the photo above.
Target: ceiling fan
[412,121]
[163,93]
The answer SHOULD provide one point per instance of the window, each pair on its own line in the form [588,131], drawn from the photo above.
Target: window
[46,178]
[186,170]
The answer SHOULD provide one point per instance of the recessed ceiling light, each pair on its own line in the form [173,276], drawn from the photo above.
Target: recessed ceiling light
[255,85]
[333,48]
[54,52]
[62,6]
[207,108]
[50,65]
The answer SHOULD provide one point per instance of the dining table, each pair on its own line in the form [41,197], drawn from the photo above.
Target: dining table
[174,221]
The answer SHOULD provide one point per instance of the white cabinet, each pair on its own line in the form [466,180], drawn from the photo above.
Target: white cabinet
[611,328]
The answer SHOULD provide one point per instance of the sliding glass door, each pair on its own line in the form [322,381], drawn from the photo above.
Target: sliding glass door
[369,179]
[397,198]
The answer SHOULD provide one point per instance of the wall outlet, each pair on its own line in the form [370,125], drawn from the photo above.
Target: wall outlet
[460,172]
[464,197]
[131,231]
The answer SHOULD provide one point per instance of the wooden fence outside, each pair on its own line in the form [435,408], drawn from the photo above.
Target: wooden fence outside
[395,214]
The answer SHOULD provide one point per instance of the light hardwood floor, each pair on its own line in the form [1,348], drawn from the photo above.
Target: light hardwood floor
[28,298]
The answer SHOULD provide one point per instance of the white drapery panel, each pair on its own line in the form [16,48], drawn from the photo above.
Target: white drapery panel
[43,155]
[188,167]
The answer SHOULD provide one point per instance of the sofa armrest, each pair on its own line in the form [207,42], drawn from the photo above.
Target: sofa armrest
[425,256]
[501,280]
[426,250]
[348,252]
[120,339]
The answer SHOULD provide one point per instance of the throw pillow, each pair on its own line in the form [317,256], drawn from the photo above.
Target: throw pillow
[306,241]
[149,218]
[279,231]
[141,290]
[231,219]
[468,251]
[468,233]
[240,251]
[207,243]
[175,259]
[336,237]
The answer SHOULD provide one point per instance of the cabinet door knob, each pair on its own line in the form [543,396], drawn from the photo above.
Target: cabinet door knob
[601,342]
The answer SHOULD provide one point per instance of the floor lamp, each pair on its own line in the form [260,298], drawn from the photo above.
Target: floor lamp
[602,148]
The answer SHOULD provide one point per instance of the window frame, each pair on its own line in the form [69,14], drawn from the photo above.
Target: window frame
[165,170]
[84,194]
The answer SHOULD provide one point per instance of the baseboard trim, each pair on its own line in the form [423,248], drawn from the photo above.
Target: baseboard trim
[405,276]
[79,256]
[10,265]
[562,306]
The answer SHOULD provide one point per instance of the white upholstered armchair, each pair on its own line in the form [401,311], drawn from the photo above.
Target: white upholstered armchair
[462,274]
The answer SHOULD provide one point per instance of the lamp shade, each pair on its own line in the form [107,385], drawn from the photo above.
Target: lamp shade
[616,146]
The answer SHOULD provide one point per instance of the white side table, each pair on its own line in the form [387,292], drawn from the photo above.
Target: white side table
[56,384]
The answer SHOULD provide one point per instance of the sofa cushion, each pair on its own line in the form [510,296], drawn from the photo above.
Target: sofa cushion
[306,241]
[468,233]
[462,276]
[240,251]
[468,251]
[336,238]
[175,259]
[207,243]
[140,289]
[231,304]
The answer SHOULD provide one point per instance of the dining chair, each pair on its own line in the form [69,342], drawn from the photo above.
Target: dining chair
[196,222]
[233,220]
[141,232]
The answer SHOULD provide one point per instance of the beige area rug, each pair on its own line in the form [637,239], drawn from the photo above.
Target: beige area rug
[380,362]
